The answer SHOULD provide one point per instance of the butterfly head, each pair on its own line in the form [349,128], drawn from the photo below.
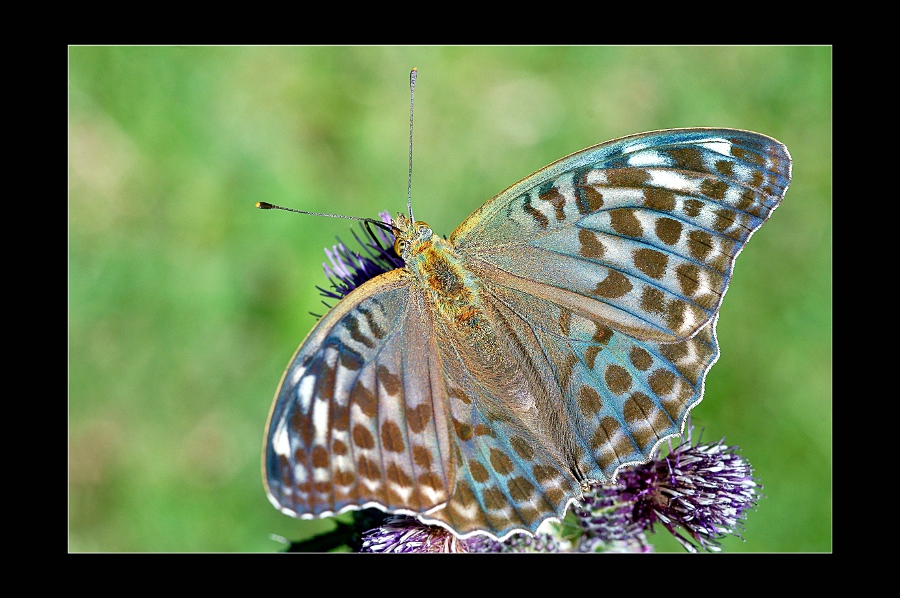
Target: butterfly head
[409,235]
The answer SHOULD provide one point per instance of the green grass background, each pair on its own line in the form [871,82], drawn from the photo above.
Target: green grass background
[186,303]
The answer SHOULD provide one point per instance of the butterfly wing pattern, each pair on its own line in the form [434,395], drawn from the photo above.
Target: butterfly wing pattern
[567,336]
[359,419]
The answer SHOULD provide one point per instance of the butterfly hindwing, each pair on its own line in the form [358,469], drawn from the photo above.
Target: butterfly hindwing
[641,232]
[510,475]
[623,396]
[359,417]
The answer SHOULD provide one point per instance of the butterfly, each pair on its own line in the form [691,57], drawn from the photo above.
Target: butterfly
[563,331]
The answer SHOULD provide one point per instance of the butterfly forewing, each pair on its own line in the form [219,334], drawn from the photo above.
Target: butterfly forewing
[641,232]
[359,418]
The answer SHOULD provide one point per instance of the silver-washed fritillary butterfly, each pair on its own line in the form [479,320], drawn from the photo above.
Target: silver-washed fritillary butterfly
[563,331]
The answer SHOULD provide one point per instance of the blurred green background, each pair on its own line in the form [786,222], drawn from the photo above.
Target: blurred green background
[186,302]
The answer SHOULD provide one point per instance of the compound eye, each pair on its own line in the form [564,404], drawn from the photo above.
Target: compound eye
[399,246]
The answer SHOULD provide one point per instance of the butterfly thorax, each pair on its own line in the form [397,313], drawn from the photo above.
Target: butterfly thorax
[463,319]
[437,269]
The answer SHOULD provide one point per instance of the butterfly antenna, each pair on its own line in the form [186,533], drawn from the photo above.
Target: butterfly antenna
[412,98]
[262,205]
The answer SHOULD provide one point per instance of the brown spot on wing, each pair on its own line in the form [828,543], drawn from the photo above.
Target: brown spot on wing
[464,431]
[692,207]
[653,300]
[618,380]
[587,198]
[565,370]
[520,489]
[500,462]
[565,320]
[674,352]
[638,411]
[493,499]
[389,381]
[396,474]
[746,155]
[662,381]
[640,358]
[589,401]
[557,200]
[591,246]
[368,468]
[392,437]
[430,479]
[627,177]
[613,286]
[688,278]
[418,417]
[302,425]
[687,158]
[352,325]
[320,457]
[479,472]
[544,473]
[522,448]
[350,360]
[464,494]
[458,393]
[376,330]
[344,478]
[538,216]
[483,430]
[651,262]
[603,439]
[700,244]
[362,437]
[364,399]
[422,457]
[724,219]
[637,407]
[325,382]
[590,355]
[668,230]
[340,416]
[714,188]
[625,222]
[662,200]
[602,334]
[747,200]
[339,448]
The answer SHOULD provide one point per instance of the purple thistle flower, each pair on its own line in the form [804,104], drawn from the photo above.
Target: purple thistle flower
[541,542]
[700,493]
[403,534]
[349,269]
[605,514]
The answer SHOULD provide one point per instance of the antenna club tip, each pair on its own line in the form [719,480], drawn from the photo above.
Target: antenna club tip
[263,205]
